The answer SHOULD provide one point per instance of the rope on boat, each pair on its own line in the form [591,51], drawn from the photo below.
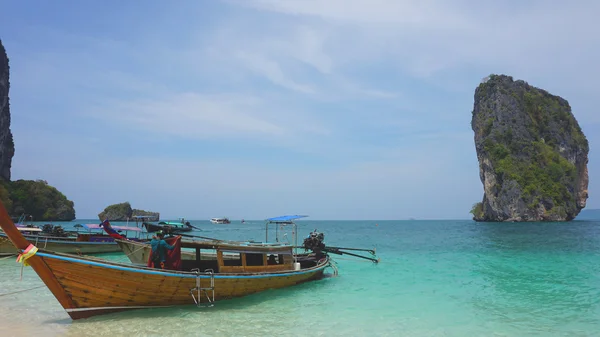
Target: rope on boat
[20,291]
[333,265]
[354,260]
[135,251]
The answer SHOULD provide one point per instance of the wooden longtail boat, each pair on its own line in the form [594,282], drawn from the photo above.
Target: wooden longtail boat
[87,286]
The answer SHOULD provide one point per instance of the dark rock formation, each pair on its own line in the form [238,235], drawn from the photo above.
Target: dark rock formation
[7,147]
[37,199]
[532,153]
[149,216]
[123,212]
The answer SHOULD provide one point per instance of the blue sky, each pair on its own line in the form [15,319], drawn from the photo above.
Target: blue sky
[339,109]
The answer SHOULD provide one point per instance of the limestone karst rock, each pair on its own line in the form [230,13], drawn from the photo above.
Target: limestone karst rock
[532,153]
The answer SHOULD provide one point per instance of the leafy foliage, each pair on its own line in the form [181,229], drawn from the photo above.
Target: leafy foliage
[544,174]
[36,198]
[116,212]
[477,210]
[154,216]
[544,108]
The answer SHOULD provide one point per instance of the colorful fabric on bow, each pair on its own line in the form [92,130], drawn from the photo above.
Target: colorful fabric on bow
[27,253]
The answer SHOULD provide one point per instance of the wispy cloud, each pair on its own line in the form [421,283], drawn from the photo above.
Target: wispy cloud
[272,71]
[191,115]
[429,37]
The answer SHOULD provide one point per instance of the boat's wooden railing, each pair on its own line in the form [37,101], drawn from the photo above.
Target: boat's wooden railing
[225,265]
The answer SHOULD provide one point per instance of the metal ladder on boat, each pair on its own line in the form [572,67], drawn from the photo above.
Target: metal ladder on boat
[199,291]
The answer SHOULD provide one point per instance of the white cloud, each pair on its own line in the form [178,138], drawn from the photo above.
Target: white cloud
[427,37]
[191,115]
[553,45]
[218,117]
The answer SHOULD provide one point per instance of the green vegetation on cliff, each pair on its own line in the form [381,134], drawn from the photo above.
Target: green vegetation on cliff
[115,212]
[152,216]
[36,198]
[545,175]
[477,210]
[123,212]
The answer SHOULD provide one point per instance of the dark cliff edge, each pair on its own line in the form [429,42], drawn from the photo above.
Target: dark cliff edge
[532,153]
[7,147]
[124,212]
[34,198]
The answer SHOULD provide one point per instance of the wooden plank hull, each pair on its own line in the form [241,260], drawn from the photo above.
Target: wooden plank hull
[96,287]
[69,247]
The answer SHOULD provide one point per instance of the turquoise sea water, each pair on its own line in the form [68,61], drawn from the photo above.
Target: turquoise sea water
[436,278]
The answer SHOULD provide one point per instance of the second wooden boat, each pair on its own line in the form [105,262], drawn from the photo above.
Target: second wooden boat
[71,243]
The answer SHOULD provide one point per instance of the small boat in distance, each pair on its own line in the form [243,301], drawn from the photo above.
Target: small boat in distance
[220,220]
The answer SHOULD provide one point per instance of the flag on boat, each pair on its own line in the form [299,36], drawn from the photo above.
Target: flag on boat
[111,231]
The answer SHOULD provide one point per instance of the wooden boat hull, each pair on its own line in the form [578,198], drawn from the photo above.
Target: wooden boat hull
[95,287]
[62,246]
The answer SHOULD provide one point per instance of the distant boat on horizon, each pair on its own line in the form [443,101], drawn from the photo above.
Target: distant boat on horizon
[220,220]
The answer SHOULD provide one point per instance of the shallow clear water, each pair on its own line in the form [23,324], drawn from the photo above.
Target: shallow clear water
[436,278]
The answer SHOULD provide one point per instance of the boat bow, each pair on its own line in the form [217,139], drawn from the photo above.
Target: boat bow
[36,262]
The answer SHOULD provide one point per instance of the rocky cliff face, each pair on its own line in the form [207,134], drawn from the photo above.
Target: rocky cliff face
[34,198]
[7,147]
[532,153]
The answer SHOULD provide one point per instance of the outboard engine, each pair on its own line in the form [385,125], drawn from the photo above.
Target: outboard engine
[58,231]
[47,228]
[314,242]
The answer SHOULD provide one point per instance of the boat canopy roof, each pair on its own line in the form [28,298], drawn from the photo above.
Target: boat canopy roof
[91,226]
[238,246]
[29,229]
[285,218]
